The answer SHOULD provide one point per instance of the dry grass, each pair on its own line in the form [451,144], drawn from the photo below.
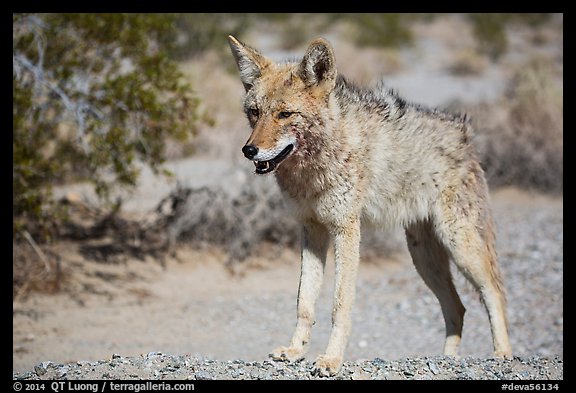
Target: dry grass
[520,138]
[239,224]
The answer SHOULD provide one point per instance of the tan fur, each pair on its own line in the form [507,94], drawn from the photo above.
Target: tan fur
[343,155]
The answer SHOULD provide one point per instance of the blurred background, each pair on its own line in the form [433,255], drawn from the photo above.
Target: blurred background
[127,130]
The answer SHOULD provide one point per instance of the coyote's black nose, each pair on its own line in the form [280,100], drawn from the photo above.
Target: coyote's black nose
[250,151]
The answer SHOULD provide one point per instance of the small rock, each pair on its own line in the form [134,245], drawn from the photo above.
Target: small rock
[62,372]
[42,367]
[433,367]
[363,343]
[357,375]
[203,375]
[39,370]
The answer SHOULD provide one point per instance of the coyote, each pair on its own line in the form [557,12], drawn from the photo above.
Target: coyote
[343,155]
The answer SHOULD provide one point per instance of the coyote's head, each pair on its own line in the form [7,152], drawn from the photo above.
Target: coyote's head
[284,102]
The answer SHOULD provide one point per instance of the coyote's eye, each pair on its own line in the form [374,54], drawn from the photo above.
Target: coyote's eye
[254,112]
[284,115]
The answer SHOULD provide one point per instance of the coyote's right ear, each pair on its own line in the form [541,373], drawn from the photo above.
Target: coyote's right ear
[250,62]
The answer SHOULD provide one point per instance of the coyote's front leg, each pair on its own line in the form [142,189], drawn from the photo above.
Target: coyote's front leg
[347,256]
[314,247]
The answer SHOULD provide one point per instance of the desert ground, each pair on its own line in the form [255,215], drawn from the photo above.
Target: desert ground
[195,306]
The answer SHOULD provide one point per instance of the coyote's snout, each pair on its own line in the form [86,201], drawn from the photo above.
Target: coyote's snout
[344,154]
[267,160]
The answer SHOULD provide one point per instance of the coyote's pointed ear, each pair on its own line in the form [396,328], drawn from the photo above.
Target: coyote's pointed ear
[318,67]
[250,62]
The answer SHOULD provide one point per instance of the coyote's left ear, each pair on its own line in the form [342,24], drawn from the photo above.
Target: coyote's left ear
[318,67]
[250,62]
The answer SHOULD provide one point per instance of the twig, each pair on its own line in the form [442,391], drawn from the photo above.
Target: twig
[37,250]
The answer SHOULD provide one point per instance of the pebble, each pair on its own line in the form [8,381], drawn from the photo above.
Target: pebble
[433,367]
[203,375]
[43,367]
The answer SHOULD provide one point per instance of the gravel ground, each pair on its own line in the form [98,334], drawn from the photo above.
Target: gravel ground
[160,366]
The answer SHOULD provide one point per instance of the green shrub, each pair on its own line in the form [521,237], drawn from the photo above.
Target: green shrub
[94,95]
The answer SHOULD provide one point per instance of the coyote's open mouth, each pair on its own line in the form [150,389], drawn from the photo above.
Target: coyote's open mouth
[263,167]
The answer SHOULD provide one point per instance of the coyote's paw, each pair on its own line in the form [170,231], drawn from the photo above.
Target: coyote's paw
[289,354]
[327,365]
[503,355]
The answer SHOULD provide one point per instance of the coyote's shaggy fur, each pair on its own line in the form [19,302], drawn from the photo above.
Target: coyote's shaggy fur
[342,155]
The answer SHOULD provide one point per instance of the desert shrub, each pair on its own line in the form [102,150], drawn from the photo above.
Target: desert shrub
[238,223]
[93,95]
[198,32]
[387,30]
[490,29]
[524,146]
